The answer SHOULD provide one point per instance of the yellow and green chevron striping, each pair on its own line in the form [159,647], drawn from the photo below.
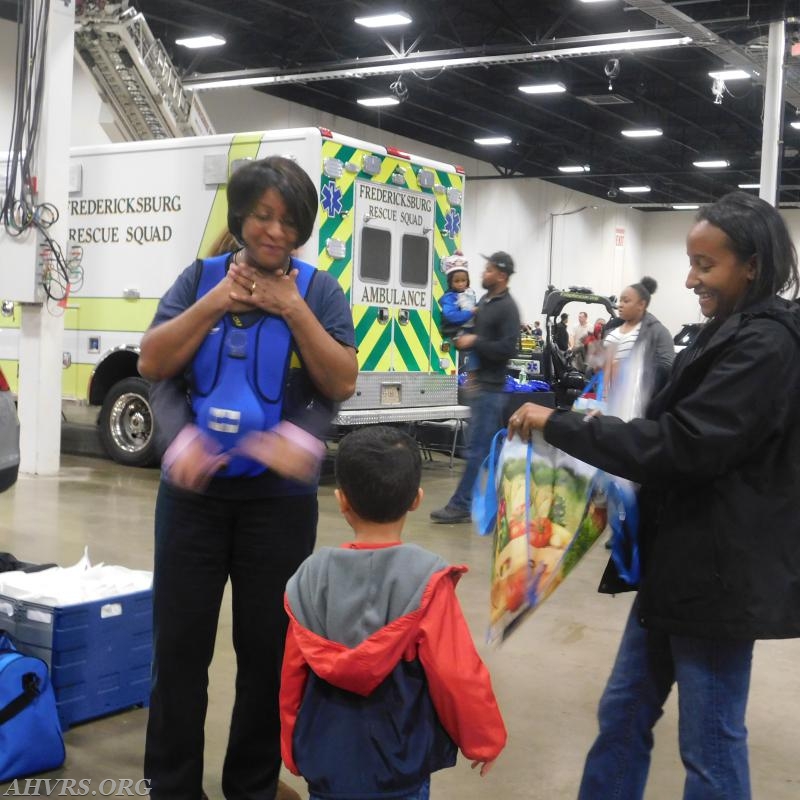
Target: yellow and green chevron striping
[387,345]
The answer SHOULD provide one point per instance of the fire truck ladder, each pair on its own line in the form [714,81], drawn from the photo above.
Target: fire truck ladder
[134,74]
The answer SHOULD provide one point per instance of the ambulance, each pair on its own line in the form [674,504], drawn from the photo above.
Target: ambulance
[140,212]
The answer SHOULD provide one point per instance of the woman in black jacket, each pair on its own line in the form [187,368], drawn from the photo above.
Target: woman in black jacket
[716,457]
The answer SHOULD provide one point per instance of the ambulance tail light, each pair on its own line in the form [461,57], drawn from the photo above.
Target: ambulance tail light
[460,170]
[328,134]
[393,151]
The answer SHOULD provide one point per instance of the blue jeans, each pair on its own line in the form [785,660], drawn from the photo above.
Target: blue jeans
[713,677]
[423,793]
[486,418]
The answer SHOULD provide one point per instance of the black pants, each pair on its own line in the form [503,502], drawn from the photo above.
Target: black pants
[199,542]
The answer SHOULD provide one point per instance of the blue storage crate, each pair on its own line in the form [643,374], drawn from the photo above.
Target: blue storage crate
[98,652]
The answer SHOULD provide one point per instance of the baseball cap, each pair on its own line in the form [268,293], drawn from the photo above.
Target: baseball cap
[501,260]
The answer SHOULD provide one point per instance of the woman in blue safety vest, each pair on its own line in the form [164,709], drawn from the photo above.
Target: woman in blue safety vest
[250,352]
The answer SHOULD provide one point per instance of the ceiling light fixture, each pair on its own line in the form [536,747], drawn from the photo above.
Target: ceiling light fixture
[729,75]
[594,1]
[713,164]
[374,102]
[543,88]
[575,168]
[634,189]
[642,133]
[749,185]
[490,140]
[795,125]
[422,65]
[384,20]
[196,42]
[684,206]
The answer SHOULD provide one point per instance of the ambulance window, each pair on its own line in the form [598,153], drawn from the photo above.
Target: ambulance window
[376,246]
[415,260]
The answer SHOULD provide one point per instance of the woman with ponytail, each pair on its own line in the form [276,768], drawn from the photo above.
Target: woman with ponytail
[636,327]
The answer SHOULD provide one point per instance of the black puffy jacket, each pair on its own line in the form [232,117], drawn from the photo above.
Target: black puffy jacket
[718,460]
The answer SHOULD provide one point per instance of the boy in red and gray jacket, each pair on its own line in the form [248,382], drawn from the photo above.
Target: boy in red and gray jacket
[381,681]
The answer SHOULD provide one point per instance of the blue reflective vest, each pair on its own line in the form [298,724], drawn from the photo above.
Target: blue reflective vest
[239,373]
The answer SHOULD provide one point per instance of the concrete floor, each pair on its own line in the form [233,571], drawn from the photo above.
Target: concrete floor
[548,676]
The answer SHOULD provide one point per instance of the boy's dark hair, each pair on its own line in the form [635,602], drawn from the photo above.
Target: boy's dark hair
[247,185]
[755,229]
[378,468]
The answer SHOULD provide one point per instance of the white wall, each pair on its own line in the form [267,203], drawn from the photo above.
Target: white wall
[8,44]
[515,215]
[664,235]
[85,128]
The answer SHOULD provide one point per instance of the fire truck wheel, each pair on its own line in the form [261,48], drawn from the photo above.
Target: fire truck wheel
[126,423]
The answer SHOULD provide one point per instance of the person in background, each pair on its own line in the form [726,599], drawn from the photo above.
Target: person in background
[250,351]
[381,680]
[494,342]
[716,457]
[594,355]
[561,333]
[578,341]
[459,304]
[580,331]
[537,329]
[636,327]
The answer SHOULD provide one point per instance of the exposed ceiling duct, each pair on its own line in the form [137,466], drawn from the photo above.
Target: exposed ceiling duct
[752,60]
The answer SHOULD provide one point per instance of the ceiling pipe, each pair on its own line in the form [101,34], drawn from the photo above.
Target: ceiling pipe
[553,50]
[731,54]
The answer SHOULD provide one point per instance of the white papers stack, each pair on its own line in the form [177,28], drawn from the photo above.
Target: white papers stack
[80,583]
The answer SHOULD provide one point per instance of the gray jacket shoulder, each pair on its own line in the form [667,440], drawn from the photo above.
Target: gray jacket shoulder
[348,594]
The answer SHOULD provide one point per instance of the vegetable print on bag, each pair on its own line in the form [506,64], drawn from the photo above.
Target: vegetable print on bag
[550,512]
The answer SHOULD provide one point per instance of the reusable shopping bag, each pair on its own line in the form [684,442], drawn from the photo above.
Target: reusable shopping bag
[550,511]
[30,733]
[484,492]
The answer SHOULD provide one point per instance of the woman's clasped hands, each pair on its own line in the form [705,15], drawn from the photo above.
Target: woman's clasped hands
[273,292]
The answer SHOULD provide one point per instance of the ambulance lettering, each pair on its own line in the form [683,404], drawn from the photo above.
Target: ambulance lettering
[144,234]
[391,296]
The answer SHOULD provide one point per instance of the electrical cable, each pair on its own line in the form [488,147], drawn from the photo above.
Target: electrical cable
[19,212]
